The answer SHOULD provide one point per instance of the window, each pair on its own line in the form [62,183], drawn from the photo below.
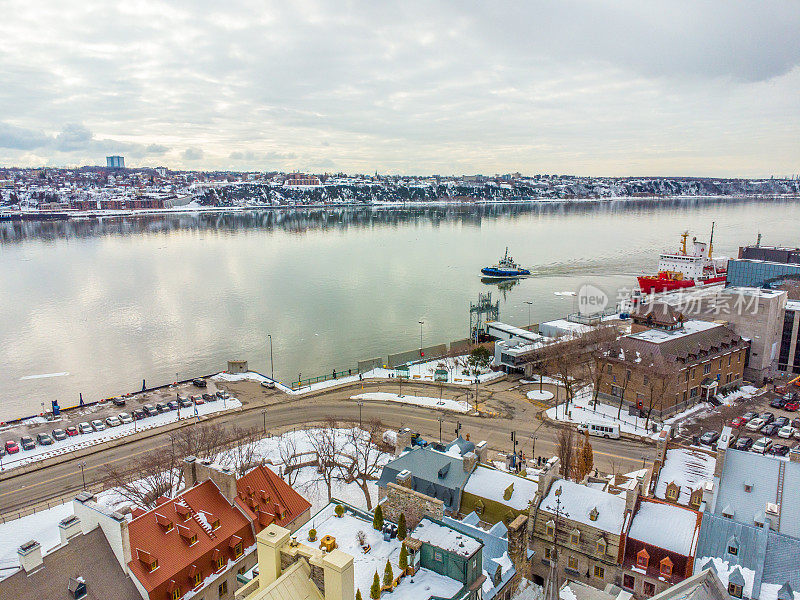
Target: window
[646,380]
[154,565]
[665,567]
[575,537]
[729,359]
[735,590]
[694,373]
[693,392]
[616,391]
[215,525]
[706,368]
[220,563]
[628,374]
[687,376]
[608,369]
[601,546]
[748,487]
[733,550]
[599,572]
[739,359]
[642,559]
[193,539]
[548,553]
[673,491]
[649,589]
[169,527]
[237,550]
[197,579]
[551,528]
[437,556]
[175,594]
[572,563]
[628,581]
[223,588]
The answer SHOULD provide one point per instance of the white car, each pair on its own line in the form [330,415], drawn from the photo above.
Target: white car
[113,421]
[762,445]
[755,424]
[786,432]
[125,418]
[85,428]
[98,425]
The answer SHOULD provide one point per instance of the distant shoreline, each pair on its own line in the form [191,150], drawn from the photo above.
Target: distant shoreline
[10,215]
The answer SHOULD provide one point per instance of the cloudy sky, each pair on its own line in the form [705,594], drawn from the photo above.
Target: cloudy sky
[623,87]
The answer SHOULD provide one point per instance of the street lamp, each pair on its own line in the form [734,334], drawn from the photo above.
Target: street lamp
[529,313]
[271,363]
[82,465]
[360,404]
[264,413]
[420,337]
[440,429]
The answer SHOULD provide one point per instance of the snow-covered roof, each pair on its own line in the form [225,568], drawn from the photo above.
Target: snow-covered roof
[492,483]
[667,526]
[689,469]
[578,501]
[658,336]
[446,538]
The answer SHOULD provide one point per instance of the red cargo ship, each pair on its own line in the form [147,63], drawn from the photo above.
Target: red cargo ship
[686,269]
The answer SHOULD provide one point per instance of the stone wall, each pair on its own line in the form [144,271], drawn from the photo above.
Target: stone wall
[415,506]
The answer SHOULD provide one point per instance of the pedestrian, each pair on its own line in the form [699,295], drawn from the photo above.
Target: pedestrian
[334,373]
[360,377]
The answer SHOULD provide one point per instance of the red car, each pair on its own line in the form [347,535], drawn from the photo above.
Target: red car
[12,447]
[792,406]
[738,422]
[71,430]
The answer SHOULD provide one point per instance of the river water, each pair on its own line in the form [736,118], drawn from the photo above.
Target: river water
[95,306]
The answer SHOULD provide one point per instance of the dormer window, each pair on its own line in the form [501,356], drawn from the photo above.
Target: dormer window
[748,487]
[642,559]
[673,491]
[665,567]
[154,565]
[215,525]
[733,550]
[735,590]
[593,514]
[220,563]
[175,594]
[601,546]
[197,579]
[193,539]
[551,528]
[237,550]
[575,537]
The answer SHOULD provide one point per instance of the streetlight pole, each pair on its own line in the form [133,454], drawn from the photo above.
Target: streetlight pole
[420,336]
[82,464]
[360,404]
[264,413]
[271,362]
[529,313]
[440,429]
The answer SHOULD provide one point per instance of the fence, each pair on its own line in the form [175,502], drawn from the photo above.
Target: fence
[13,515]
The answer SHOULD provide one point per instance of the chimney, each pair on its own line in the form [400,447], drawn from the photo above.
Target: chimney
[547,475]
[223,477]
[631,495]
[404,478]
[772,515]
[482,450]
[794,455]
[30,556]
[470,461]
[403,440]
[189,471]
[722,446]
[270,541]
[339,575]
[68,528]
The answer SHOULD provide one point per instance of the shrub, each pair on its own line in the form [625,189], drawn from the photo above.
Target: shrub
[358,595]
[377,520]
[375,590]
[312,535]
[388,574]
[403,558]
[339,510]
[401,527]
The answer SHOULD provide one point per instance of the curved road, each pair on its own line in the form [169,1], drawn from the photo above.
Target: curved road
[64,478]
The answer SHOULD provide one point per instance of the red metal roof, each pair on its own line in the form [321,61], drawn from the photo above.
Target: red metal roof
[165,533]
[266,498]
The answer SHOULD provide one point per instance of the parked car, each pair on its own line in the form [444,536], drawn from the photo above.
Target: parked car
[755,424]
[770,429]
[138,414]
[12,447]
[779,450]
[709,438]
[125,418]
[201,383]
[792,406]
[71,430]
[59,434]
[113,421]
[198,400]
[796,423]
[173,405]
[44,440]
[118,401]
[786,432]
[85,427]
[762,445]
[743,443]
[767,416]
[268,384]
[27,442]
[184,402]
[781,421]
[221,394]
[738,422]
[2,451]
[150,410]
[209,397]
[789,396]
[749,415]
[98,425]
[779,402]
[161,407]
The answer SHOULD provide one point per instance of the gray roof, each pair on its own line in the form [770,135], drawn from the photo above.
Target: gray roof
[434,474]
[88,556]
[762,472]
[782,561]
[463,445]
[704,585]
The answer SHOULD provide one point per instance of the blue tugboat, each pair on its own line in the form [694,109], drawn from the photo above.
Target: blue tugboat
[505,268]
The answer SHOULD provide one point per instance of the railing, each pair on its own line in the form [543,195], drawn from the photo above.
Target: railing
[301,383]
[13,515]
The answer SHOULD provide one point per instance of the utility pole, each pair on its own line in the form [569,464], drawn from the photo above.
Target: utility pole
[458,428]
[264,413]
[529,313]
[271,363]
[440,429]
[420,337]
[82,465]
[360,404]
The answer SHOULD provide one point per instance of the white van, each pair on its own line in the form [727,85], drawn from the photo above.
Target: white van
[605,430]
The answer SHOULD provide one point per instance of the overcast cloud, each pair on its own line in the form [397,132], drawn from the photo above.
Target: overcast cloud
[586,87]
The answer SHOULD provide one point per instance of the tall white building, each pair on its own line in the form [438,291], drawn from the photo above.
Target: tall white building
[115,162]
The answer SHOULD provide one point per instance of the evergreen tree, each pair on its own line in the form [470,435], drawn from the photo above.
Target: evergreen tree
[401,527]
[377,520]
[358,595]
[403,558]
[388,574]
[375,590]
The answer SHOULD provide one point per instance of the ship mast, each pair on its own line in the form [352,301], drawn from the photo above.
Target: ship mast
[711,240]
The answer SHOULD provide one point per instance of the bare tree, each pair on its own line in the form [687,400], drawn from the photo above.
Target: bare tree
[662,384]
[287,450]
[241,454]
[361,459]
[157,474]
[566,361]
[325,441]
[565,450]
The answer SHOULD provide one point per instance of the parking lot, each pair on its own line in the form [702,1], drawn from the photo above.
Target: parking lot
[771,417]
[143,410]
